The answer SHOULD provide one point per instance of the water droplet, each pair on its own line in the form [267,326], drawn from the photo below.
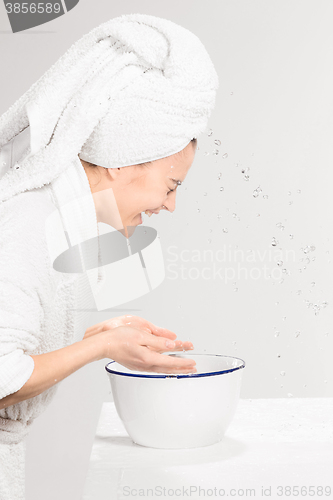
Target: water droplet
[297,334]
[217,142]
[225,155]
[225,229]
[235,289]
[231,93]
[206,153]
[205,194]
[291,236]
[280,262]
[234,215]
[221,188]
[255,194]
[17,168]
[258,215]
[246,177]
[278,355]
[198,210]
[244,170]
[289,193]
[299,191]
[210,132]
[219,176]
[290,395]
[277,334]
[324,304]
[312,248]
[277,303]
[215,152]
[219,216]
[274,242]
[209,240]
[265,196]
[313,283]
[291,202]
[282,373]
[306,249]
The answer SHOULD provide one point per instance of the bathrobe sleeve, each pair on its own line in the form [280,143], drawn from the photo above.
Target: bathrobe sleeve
[22,266]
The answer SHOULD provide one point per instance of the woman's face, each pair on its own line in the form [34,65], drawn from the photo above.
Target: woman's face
[139,188]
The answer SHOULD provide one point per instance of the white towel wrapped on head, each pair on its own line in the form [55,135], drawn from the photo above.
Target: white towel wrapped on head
[134,89]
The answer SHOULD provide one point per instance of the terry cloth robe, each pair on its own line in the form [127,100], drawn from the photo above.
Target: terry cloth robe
[38,304]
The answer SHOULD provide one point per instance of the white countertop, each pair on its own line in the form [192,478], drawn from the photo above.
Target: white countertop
[270,443]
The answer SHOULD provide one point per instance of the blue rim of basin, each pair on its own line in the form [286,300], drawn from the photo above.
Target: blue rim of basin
[181,375]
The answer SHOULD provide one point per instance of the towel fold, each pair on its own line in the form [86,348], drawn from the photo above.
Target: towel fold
[134,89]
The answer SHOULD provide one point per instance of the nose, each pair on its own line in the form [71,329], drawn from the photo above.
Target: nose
[170,202]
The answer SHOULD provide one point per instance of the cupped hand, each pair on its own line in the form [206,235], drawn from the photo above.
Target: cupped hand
[141,350]
[142,325]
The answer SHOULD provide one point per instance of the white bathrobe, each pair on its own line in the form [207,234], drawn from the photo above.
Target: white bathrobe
[37,304]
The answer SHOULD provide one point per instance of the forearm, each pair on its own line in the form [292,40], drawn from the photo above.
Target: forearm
[52,367]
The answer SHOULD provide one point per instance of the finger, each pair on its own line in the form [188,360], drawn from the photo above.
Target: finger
[179,346]
[161,332]
[156,343]
[143,324]
[169,364]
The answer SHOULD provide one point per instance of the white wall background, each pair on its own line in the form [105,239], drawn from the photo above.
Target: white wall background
[273,117]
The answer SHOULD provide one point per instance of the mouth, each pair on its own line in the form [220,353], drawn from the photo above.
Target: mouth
[151,212]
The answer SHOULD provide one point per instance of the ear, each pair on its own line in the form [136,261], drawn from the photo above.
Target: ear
[113,173]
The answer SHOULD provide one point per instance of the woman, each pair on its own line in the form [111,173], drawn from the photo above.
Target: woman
[109,129]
